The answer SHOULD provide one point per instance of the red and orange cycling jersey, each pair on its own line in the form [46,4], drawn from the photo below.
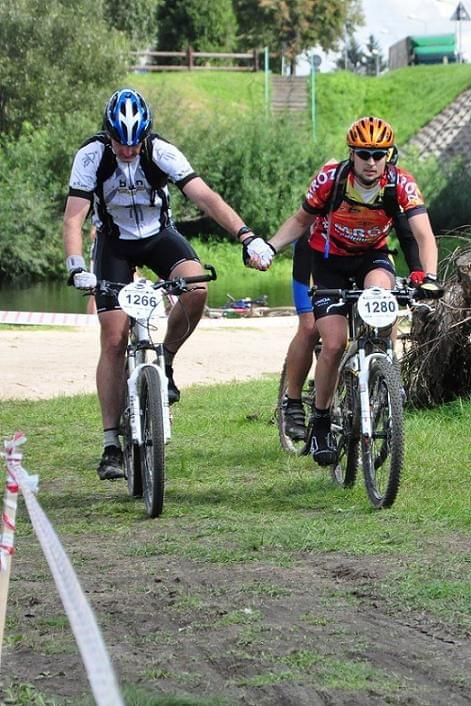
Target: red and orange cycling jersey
[357,225]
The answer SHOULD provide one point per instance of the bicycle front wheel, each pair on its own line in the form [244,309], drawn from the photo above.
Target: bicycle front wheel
[153,441]
[345,428]
[292,445]
[383,454]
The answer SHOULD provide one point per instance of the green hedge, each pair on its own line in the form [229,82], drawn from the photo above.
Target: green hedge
[260,164]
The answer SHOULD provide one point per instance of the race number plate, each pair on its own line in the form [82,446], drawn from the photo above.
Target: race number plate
[139,300]
[378,307]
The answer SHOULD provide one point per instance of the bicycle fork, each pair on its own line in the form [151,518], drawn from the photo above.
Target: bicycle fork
[363,364]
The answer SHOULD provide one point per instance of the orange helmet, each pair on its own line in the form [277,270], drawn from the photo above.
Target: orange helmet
[370,132]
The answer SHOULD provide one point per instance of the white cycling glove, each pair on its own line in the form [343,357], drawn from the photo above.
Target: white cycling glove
[84,280]
[257,247]
[78,275]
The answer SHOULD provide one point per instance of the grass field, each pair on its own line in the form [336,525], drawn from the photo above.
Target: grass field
[236,505]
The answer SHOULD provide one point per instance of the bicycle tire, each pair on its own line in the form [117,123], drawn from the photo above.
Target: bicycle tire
[345,428]
[300,447]
[131,454]
[383,454]
[153,441]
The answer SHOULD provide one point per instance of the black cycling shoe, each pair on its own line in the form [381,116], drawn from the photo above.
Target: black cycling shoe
[172,389]
[295,421]
[323,447]
[111,464]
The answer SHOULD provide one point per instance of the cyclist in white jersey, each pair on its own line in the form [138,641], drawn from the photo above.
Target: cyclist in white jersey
[122,174]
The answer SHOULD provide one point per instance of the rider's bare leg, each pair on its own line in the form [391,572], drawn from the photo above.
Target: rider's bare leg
[110,374]
[333,331]
[188,310]
[300,352]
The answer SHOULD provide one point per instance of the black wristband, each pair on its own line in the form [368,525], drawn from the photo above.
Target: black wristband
[243,231]
[70,279]
[430,277]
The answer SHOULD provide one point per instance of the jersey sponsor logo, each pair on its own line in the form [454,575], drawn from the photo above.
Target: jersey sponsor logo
[125,188]
[77,184]
[359,235]
[411,190]
[88,158]
[324,176]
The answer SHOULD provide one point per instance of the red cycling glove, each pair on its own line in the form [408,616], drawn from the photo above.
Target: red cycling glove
[416,278]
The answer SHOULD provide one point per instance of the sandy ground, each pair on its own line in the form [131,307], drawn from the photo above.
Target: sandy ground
[44,362]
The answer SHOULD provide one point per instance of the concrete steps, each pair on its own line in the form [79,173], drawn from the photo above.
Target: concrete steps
[289,93]
[448,134]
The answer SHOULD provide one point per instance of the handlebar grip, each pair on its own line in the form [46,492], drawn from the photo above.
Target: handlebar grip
[326,292]
[197,278]
[202,278]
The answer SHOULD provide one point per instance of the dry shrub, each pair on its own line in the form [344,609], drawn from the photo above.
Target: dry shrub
[437,367]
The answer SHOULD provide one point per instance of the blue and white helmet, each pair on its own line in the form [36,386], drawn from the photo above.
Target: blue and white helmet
[127,117]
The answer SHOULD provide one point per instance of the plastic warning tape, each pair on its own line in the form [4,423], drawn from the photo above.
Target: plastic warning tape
[46,318]
[81,617]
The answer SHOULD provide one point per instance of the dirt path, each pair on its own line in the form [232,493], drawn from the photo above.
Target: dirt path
[42,363]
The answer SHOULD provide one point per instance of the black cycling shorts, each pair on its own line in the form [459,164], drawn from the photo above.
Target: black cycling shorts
[338,271]
[115,260]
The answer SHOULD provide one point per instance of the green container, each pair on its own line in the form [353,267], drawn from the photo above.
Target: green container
[434,40]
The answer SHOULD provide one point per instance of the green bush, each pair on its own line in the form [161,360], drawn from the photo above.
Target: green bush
[261,166]
[34,173]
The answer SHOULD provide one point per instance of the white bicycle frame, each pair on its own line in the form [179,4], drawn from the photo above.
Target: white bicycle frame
[140,331]
[360,363]
[364,366]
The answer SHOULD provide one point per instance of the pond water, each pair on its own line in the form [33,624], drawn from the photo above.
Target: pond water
[56,297]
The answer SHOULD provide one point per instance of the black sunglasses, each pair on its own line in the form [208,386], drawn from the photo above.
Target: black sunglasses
[366,154]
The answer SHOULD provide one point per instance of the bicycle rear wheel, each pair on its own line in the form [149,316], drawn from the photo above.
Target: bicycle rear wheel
[383,454]
[345,428]
[300,446]
[132,457]
[153,441]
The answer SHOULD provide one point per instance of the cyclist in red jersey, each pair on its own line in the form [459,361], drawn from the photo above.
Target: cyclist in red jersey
[351,241]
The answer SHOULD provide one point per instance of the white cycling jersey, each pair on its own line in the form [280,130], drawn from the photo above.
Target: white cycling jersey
[134,208]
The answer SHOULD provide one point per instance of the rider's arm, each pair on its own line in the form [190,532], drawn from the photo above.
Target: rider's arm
[211,203]
[423,233]
[292,229]
[76,211]
[407,242]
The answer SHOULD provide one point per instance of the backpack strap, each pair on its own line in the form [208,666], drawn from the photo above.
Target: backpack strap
[390,202]
[157,178]
[105,169]
[335,198]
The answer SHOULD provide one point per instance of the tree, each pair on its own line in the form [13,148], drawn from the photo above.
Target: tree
[205,25]
[54,58]
[297,25]
[374,62]
[352,58]
[136,18]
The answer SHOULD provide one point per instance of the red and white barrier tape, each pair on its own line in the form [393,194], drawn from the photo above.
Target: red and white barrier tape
[45,318]
[49,318]
[82,620]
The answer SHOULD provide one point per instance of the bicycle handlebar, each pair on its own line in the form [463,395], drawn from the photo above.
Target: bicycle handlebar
[173,285]
[403,296]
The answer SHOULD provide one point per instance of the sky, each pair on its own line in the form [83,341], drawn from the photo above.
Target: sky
[392,20]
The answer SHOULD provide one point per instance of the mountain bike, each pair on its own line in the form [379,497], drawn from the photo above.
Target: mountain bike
[145,422]
[367,406]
